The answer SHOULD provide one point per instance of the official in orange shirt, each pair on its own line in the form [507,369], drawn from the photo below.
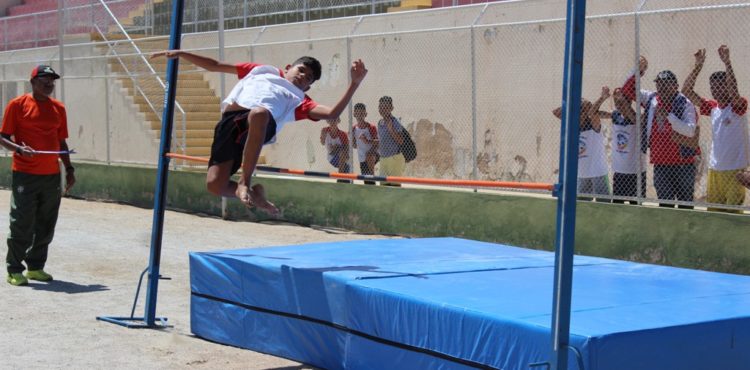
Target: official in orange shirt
[35,127]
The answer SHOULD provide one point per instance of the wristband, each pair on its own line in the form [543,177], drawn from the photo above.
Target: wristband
[69,169]
[18,150]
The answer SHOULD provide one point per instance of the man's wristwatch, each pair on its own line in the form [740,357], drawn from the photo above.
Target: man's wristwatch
[69,169]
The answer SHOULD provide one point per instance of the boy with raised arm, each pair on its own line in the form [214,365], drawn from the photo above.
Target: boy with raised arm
[728,112]
[592,157]
[259,105]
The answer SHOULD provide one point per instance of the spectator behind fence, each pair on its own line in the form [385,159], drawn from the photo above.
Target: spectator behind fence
[729,146]
[627,158]
[592,159]
[32,123]
[337,146]
[672,136]
[365,140]
[743,177]
[392,162]
[259,105]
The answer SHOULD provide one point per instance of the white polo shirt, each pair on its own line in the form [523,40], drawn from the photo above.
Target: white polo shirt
[730,149]
[265,86]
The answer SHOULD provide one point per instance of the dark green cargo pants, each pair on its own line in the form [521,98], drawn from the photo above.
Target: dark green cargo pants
[34,204]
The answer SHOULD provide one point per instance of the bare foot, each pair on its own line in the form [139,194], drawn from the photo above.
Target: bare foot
[258,198]
[244,195]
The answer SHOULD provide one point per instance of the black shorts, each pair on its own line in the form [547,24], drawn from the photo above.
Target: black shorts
[230,136]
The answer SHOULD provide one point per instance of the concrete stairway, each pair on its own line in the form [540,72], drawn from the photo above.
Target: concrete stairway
[197,99]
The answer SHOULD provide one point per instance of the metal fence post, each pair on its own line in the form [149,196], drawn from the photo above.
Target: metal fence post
[474,153]
[195,15]
[244,14]
[220,30]
[60,42]
[640,198]
[107,115]
[349,60]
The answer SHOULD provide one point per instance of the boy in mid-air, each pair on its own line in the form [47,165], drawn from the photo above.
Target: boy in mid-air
[253,113]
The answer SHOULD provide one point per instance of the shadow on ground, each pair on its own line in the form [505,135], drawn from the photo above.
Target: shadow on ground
[68,287]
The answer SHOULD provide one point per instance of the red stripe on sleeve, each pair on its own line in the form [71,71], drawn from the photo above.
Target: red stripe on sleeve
[303,110]
[741,109]
[628,89]
[244,68]
[707,106]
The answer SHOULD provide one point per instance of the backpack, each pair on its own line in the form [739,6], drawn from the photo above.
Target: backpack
[407,147]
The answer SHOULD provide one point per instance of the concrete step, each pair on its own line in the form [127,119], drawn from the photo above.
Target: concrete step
[192,107]
[198,142]
[198,151]
[191,125]
[184,100]
[189,116]
[185,91]
[194,134]
[144,82]
[137,66]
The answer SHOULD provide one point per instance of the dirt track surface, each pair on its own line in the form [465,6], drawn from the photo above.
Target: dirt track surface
[96,257]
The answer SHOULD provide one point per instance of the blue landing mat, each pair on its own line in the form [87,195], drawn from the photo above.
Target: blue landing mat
[447,303]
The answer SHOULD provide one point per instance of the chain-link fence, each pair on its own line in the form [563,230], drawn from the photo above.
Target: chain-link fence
[475,87]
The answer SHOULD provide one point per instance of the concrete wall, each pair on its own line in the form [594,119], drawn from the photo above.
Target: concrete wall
[693,239]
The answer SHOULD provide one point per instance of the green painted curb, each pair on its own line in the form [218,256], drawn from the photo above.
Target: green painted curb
[685,238]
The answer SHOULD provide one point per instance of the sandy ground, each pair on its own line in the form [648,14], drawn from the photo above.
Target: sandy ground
[97,255]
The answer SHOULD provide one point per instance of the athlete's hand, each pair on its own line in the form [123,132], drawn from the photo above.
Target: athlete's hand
[170,54]
[358,71]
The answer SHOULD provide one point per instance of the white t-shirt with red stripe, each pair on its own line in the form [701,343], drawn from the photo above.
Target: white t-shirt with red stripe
[333,143]
[265,86]
[730,149]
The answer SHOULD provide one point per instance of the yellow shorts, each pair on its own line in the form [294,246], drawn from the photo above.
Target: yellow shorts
[723,188]
[392,166]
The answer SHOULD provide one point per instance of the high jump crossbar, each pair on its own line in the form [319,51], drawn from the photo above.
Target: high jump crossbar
[396,179]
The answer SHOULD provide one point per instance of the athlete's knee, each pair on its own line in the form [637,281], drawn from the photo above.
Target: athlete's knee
[215,182]
[259,115]
[214,186]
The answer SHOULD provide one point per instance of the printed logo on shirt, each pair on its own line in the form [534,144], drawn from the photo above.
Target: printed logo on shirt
[581,148]
[622,141]
[20,189]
